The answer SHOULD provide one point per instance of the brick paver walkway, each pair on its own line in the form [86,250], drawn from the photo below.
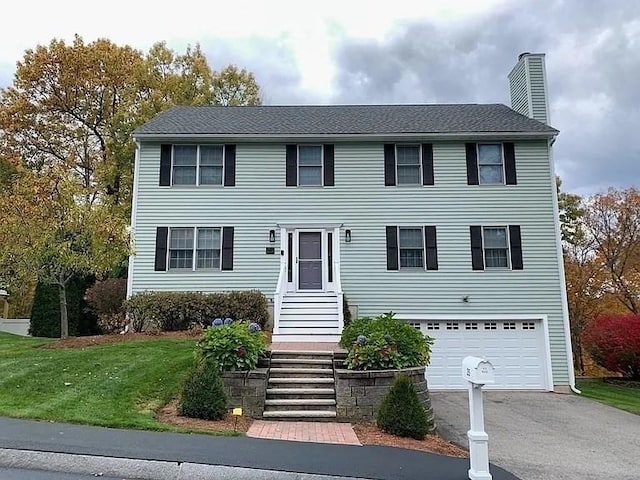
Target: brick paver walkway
[320,432]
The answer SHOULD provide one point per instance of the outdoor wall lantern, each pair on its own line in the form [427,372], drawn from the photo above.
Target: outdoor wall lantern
[272,236]
[347,236]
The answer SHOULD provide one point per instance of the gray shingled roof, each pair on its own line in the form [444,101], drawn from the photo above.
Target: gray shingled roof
[341,120]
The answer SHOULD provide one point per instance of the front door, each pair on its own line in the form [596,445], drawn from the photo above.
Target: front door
[309,260]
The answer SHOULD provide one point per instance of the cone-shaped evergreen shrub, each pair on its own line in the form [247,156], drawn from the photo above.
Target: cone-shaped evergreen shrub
[203,393]
[401,412]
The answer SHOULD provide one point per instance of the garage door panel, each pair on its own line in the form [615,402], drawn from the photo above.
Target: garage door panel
[515,348]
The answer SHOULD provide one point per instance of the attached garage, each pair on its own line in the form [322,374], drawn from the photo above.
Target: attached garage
[516,347]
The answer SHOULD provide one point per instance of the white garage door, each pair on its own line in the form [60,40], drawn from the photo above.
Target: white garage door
[515,348]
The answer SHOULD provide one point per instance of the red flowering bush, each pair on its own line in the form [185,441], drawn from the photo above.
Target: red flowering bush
[613,342]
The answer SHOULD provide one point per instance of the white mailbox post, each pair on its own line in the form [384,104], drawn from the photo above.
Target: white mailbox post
[478,372]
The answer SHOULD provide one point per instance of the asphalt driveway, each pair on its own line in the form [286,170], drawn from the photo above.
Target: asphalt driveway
[548,436]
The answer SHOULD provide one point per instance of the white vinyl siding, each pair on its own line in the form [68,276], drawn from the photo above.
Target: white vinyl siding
[362,204]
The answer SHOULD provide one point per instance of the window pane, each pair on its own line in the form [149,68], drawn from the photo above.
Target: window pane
[309,175]
[210,175]
[211,155]
[184,175]
[490,154]
[209,238]
[411,258]
[180,259]
[185,155]
[408,154]
[181,238]
[496,258]
[208,259]
[309,155]
[409,175]
[411,238]
[491,174]
[495,238]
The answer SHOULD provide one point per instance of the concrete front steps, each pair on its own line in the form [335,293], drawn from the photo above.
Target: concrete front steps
[301,386]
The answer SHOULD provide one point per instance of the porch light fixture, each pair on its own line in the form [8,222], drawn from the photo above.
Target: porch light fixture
[347,236]
[272,236]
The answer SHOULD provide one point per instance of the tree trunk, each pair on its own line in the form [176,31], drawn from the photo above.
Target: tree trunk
[64,319]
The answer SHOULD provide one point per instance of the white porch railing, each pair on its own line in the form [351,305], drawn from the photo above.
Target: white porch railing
[281,286]
[337,280]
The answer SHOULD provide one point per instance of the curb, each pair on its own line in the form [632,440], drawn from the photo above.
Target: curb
[141,469]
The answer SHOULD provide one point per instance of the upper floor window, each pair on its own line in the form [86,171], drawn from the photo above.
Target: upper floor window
[490,163]
[309,165]
[496,247]
[197,164]
[408,164]
[411,247]
[206,252]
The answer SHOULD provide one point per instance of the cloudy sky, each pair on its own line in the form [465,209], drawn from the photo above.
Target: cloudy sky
[426,51]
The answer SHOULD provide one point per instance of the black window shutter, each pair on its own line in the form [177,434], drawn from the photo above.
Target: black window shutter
[431,243]
[227,248]
[165,165]
[515,241]
[162,234]
[510,164]
[472,164]
[427,164]
[229,165]
[292,165]
[392,248]
[477,255]
[389,164]
[328,165]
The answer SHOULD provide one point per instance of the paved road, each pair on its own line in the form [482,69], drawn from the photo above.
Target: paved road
[371,462]
[22,474]
[548,436]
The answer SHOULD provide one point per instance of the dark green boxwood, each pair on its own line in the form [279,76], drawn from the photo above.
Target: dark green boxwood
[169,311]
[382,342]
[234,346]
[401,413]
[203,394]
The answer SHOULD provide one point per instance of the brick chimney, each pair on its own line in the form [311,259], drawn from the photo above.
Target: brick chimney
[528,85]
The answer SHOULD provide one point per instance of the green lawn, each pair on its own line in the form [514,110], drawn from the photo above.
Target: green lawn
[624,398]
[115,385]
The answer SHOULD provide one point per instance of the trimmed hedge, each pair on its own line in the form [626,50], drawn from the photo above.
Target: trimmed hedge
[168,311]
[45,313]
[401,413]
[105,298]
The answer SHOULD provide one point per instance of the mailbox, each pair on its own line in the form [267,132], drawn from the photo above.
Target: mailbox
[477,370]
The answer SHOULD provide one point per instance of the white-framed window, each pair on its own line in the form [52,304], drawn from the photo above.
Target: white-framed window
[408,165]
[411,247]
[194,248]
[197,165]
[496,247]
[490,164]
[310,165]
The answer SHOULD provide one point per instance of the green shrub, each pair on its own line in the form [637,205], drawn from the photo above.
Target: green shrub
[105,298]
[236,346]
[384,343]
[346,311]
[169,311]
[401,413]
[203,393]
[45,313]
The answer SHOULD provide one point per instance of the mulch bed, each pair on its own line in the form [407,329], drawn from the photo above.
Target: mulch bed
[169,414]
[622,382]
[81,342]
[370,434]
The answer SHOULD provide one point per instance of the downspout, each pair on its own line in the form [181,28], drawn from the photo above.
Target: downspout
[563,283]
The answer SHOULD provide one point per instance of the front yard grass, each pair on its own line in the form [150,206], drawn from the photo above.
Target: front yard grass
[618,396]
[115,385]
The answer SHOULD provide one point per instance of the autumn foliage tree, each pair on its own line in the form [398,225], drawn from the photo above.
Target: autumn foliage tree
[50,232]
[614,343]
